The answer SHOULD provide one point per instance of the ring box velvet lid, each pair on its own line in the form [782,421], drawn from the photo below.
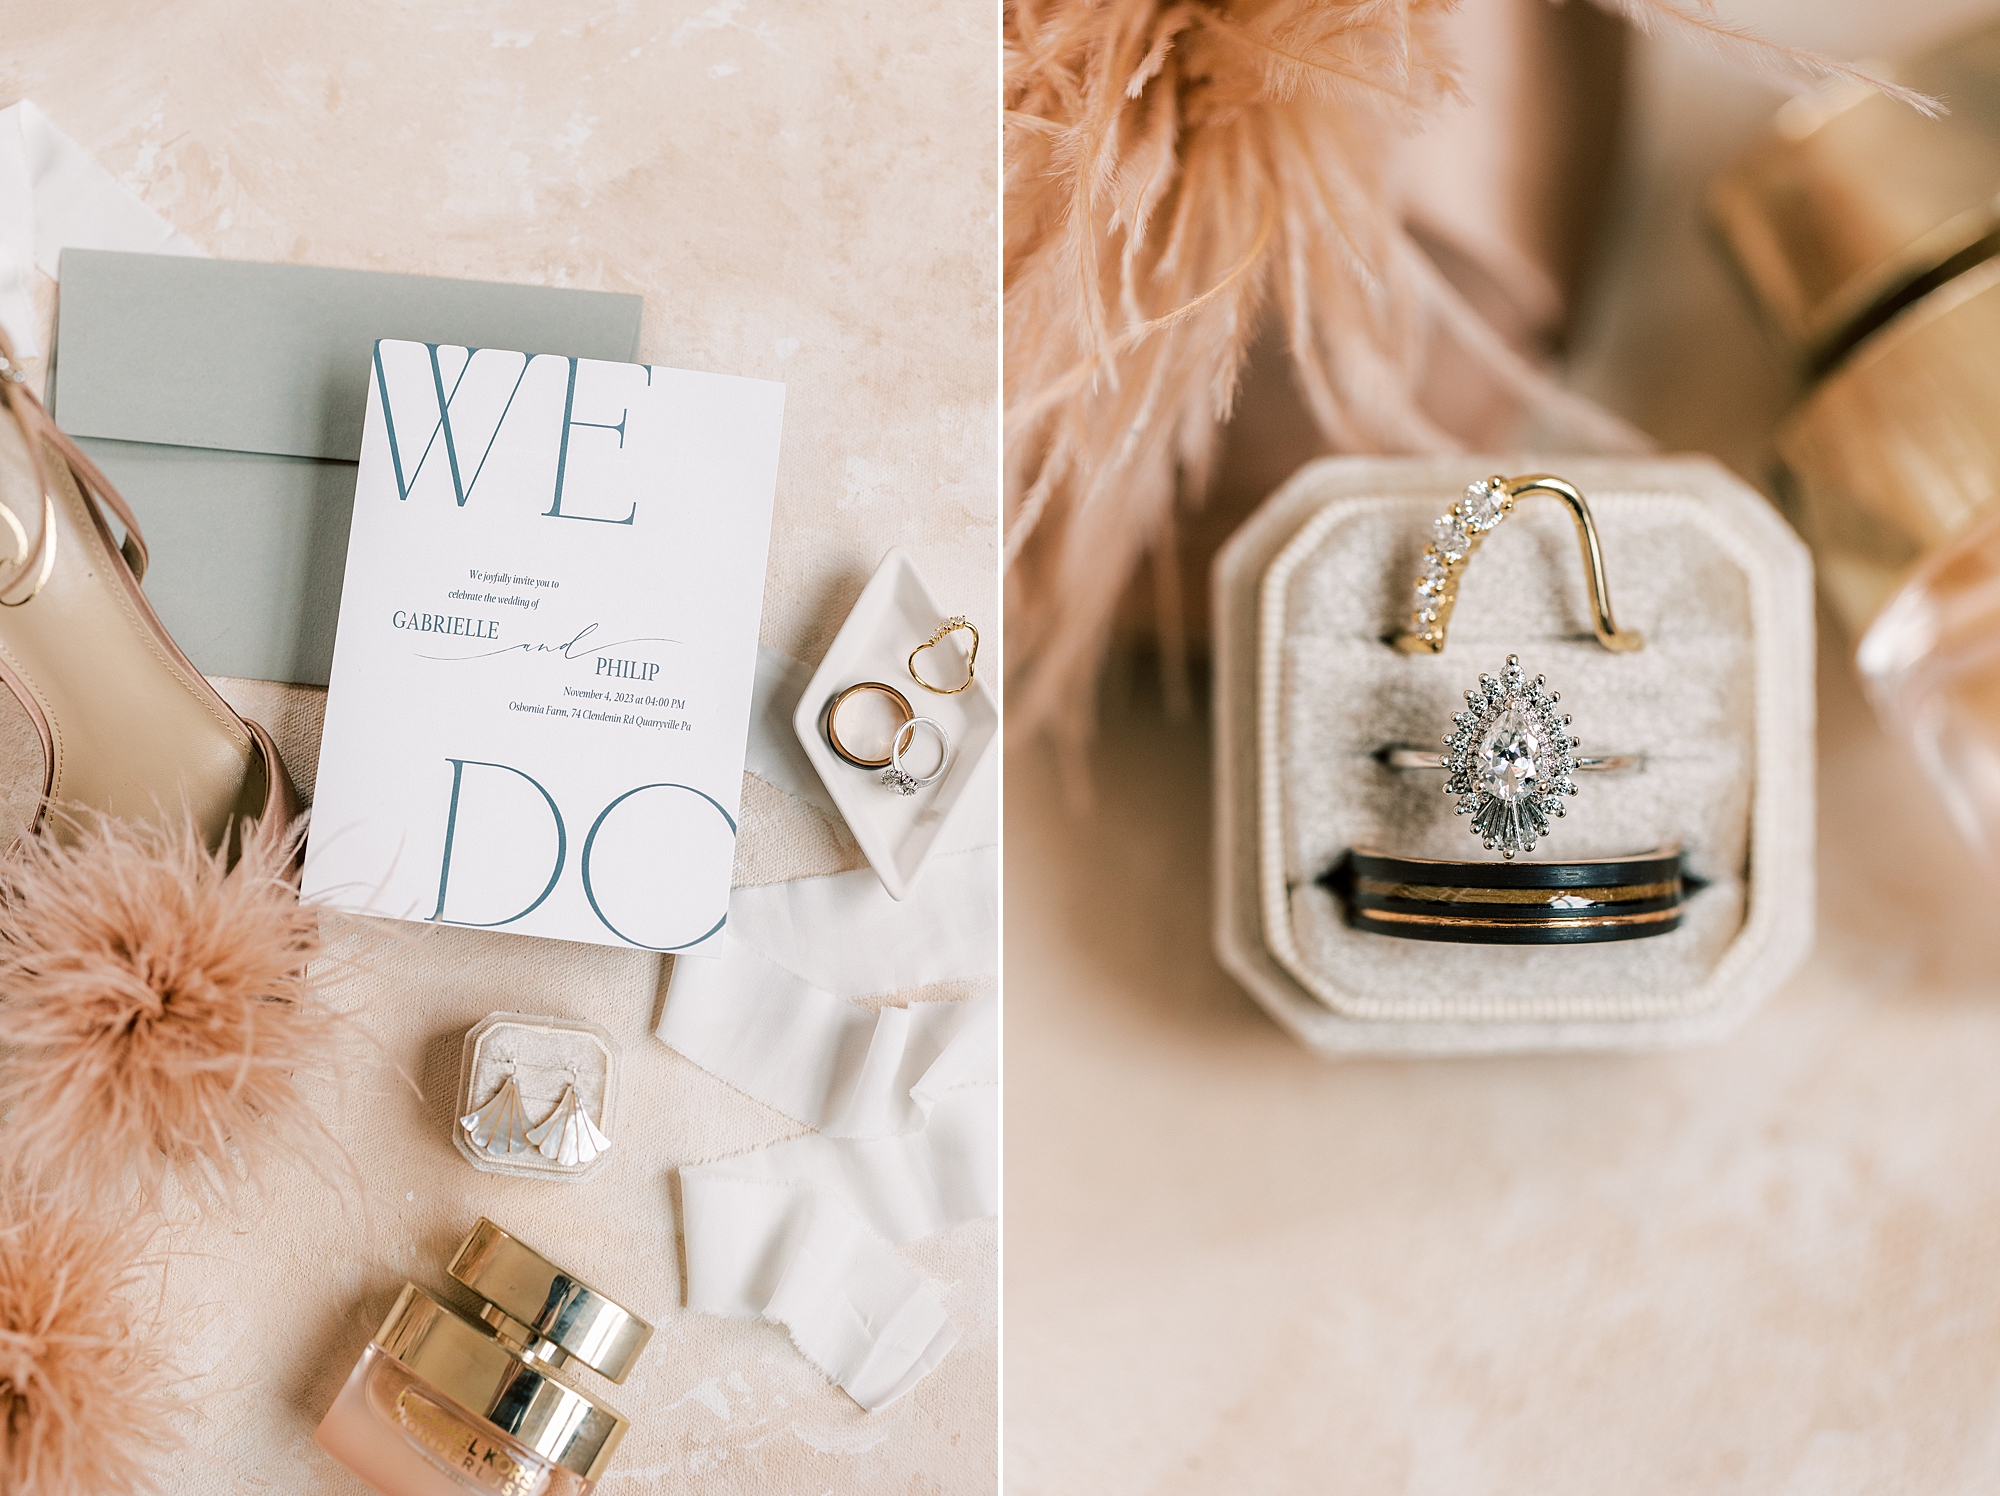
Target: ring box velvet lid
[1308,690]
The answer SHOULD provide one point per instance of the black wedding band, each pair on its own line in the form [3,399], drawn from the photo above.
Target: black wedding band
[1513,903]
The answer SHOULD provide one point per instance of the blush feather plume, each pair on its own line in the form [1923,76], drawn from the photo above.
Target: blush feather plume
[1176,172]
[163,1012]
[90,1400]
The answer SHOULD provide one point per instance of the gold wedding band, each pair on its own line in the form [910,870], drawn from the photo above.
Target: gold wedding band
[833,721]
[1457,535]
[950,625]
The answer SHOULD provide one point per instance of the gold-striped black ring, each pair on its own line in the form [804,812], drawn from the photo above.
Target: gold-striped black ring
[1514,903]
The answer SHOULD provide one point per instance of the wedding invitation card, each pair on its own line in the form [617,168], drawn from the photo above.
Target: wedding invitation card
[548,634]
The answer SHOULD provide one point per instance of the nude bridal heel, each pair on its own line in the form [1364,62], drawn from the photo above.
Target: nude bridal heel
[129,727]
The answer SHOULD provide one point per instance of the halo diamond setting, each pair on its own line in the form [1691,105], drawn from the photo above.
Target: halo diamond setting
[1509,759]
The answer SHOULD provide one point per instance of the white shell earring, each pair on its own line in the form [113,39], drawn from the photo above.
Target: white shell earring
[500,1126]
[568,1136]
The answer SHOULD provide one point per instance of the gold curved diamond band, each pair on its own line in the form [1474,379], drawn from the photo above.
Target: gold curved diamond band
[1457,535]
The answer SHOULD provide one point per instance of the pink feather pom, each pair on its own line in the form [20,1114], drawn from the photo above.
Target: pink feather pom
[87,1394]
[159,1011]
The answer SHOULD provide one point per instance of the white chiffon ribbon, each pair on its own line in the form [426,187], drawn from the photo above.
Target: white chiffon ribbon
[54,197]
[904,1103]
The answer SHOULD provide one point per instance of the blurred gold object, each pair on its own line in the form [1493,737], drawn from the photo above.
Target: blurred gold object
[1869,236]
[1897,451]
[1856,205]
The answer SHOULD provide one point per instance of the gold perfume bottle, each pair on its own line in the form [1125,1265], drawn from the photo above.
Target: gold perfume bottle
[1869,236]
[441,1405]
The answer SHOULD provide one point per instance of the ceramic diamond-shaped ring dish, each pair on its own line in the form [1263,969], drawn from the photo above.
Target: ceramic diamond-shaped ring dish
[895,614]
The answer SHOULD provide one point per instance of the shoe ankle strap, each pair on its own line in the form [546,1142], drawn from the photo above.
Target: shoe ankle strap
[39,427]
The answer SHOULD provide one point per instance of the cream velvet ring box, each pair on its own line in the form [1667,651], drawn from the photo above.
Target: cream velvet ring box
[1309,690]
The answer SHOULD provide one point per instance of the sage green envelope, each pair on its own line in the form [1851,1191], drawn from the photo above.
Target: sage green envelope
[225,400]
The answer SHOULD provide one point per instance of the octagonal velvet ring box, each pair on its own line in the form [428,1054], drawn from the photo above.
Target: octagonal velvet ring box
[1309,595]
[537,1097]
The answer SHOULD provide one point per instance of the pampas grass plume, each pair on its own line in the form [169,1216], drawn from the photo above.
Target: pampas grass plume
[87,1396]
[157,1012]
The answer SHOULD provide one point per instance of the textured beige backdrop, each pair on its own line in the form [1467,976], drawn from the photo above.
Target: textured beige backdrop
[1766,1269]
[802,192]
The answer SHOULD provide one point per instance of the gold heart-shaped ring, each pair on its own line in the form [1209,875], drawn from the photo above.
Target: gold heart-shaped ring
[950,625]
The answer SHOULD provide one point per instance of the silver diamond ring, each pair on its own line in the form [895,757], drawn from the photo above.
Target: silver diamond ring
[1401,757]
[900,779]
[1509,759]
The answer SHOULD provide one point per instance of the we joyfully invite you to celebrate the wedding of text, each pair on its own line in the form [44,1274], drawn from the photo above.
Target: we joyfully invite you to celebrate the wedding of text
[517,599]
[467,627]
[608,661]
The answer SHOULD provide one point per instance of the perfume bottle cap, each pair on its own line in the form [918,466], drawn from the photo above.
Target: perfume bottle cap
[543,1313]
[481,1375]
